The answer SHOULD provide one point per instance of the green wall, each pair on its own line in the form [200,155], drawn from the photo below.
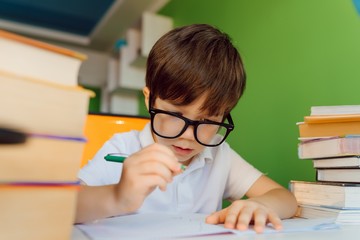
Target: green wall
[297,53]
[94,103]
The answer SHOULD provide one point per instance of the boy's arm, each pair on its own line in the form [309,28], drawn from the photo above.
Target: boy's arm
[96,202]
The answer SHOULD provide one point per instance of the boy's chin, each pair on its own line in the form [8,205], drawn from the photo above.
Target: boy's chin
[185,161]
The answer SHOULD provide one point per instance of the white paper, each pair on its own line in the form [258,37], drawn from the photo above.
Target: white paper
[172,225]
[297,225]
[150,226]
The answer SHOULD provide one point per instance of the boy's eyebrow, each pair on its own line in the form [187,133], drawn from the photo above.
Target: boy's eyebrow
[206,114]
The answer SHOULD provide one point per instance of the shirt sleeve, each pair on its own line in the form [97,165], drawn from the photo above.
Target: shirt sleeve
[242,176]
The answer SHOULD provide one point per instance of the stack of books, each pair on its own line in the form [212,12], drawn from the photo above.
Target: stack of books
[40,99]
[330,137]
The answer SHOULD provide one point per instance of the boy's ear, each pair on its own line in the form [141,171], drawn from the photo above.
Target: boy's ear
[146,93]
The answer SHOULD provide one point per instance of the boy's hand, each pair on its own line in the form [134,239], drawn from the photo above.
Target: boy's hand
[241,213]
[153,166]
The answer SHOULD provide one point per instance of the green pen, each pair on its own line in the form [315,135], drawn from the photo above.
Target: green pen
[116,157]
[120,158]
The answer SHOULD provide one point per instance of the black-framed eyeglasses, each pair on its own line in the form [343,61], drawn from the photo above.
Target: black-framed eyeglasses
[172,125]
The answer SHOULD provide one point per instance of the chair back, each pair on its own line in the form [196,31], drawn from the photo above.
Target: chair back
[101,127]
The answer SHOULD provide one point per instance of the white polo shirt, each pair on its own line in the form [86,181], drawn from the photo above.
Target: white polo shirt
[215,174]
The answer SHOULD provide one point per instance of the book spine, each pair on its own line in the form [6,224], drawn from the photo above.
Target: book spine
[328,129]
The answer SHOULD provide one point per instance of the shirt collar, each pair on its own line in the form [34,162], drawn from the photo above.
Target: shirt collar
[203,158]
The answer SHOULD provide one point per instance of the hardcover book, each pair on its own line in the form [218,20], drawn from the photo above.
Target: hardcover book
[35,59]
[328,129]
[37,210]
[41,158]
[349,175]
[329,147]
[341,216]
[334,110]
[337,162]
[38,106]
[327,194]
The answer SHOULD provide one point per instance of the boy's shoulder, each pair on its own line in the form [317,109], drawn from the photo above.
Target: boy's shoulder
[133,140]
[129,136]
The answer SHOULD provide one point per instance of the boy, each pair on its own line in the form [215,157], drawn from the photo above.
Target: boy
[194,79]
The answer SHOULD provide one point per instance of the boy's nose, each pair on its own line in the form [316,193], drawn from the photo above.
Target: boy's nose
[189,133]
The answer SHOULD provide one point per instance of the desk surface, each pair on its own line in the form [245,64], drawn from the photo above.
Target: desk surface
[345,232]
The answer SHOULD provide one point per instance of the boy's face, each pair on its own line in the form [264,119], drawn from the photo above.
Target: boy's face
[185,146]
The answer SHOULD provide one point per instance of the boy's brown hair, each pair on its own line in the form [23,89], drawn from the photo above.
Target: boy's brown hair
[193,60]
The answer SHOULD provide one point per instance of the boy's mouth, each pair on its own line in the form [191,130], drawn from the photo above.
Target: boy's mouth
[182,151]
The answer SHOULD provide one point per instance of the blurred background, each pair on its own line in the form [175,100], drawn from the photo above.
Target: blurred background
[297,54]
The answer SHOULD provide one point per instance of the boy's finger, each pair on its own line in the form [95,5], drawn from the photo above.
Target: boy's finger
[152,161]
[216,217]
[260,219]
[275,221]
[244,218]
[162,154]
[153,181]
[233,214]
[157,168]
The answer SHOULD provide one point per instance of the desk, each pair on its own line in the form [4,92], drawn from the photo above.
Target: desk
[344,233]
